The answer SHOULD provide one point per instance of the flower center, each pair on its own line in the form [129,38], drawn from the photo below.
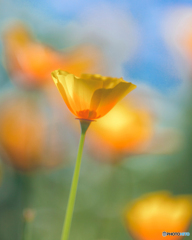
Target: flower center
[87,114]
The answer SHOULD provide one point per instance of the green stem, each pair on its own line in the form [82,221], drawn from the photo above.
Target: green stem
[71,202]
[29,216]
[27,231]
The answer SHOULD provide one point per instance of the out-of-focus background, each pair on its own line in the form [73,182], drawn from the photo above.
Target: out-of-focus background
[143,145]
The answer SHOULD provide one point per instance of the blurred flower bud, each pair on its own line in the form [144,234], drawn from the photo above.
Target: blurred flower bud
[29,215]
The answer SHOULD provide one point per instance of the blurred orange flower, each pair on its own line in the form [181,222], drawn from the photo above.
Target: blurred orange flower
[187,44]
[155,213]
[177,31]
[90,96]
[134,126]
[30,63]
[23,135]
[125,129]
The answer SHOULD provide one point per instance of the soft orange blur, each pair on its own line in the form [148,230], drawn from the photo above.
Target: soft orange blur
[125,129]
[178,34]
[152,214]
[187,44]
[23,135]
[30,63]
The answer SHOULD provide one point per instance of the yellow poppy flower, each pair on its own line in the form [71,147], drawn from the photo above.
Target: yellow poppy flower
[90,96]
[148,217]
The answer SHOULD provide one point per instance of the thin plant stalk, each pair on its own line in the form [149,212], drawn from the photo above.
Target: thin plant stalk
[71,202]
[27,234]
[29,216]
